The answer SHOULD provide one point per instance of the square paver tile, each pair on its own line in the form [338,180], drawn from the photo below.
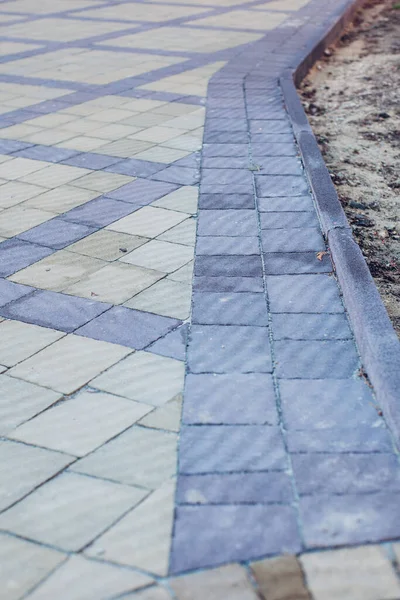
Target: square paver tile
[308,326]
[101,181]
[148,221]
[184,233]
[15,192]
[173,344]
[216,308]
[107,245]
[304,294]
[280,185]
[142,191]
[228,222]
[167,298]
[21,340]
[183,200]
[61,199]
[10,291]
[167,417]
[98,212]
[310,359]
[160,256]
[304,239]
[56,234]
[17,254]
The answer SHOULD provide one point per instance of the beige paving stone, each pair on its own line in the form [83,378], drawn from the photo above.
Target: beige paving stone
[82,125]
[146,119]
[23,468]
[282,5]
[151,593]
[69,363]
[48,513]
[166,417]
[60,199]
[159,134]
[17,132]
[60,30]
[34,563]
[81,424]
[101,181]
[55,175]
[186,142]
[148,221]
[184,233]
[83,143]
[19,340]
[188,122]
[142,538]
[139,456]
[130,378]
[14,47]
[19,167]
[48,137]
[159,255]
[280,578]
[20,401]
[112,115]
[114,131]
[363,573]
[45,6]
[142,105]
[15,192]
[162,154]
[107,245]
[184,274]
[183,200]
[57,271]
[142,12]
[243,19]
[51,120]
[19,218]
[124,148]
[175,109]
[167,298]
[95,580]
[229,581]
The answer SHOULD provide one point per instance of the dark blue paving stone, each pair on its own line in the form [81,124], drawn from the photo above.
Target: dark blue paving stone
[327,403]
[173,344]
[225,150]
[307,326]
[128,327]
[227,113]
[233,448]
[220,245]
[271,138]
[291,263]
[316,359]
[288,220]
[91,160]
[228,284]
[142,191]
[224,201]
[51,309]
[10,146]
[176,174]
[285,204]
[210,188]
[358,438]
[267,113]
[225,137]
[282,165]
[234,399]
[232,266]
[228,177]
[350,519]
[191,160]
[56,233]
[225,534]
[46,153]
[215,124]
[269,186]
[17,254]
[235,488]
[10,291]
[244,308]
[135,167]
[269,126]
[303,294]
[99,212]
[229,349]
[345,473]
[222,162]
[261,150]
[304,239]
[228,222]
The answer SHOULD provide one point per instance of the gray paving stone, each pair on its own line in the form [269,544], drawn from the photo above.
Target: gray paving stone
[229,349]
[128,327]
[336,439]
[327,403]
[226,176]
[225,245]
[228,284]
[271,138]
[307,326]
[316,359]
[292,240]
[177,174]
[11,146]
[285,204]
[234,448]
[277,165]
[273,149]
[51,309]
[292,263]
[235,488]
[304,294]
[135,167]
[345,473]
[231,533]
[216,308]
[46,153]
[280,185]
[225,137]
[350,519]
[288,220]
[16,255]
[223,162]
[90,160]
[232,266]
[225,201]
[235,399]
[226,124]
[260,126]
[173,344]
[142,191]
[99,212]
[56,234]
[225,150]
[10,291]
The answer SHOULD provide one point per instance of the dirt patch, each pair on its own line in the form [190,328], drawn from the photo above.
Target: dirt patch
[352,98]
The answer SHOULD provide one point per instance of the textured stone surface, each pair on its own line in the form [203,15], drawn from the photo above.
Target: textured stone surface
[212,308]
[280,579]
[230,581]
[316,359]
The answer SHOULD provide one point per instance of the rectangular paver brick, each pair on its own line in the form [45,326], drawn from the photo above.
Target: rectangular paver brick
[232,266]
[292,263]
[300,203]
[245,308]
[308,326]
[57,233]
[228,284]
[288,220]
[360,438]
[17,254]
[304,294]
[225,201]
[225,245]
[304,239]
[269,186]
[315,359]
[228,222]
[99,212]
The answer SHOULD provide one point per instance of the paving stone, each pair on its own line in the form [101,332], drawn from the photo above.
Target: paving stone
[273,149]
[308,326]
[16,255]
[180,175]
[228,284]
[99,212]
[184,233]
[224,449]
[271,138]
[93,161]
[230,399]
[81,424]
[160,255]
[139,456]
[135,167]
[57,233]
[34,563]
[128,327]
[225,137]
[227,222]
[20,340]
[293,263]
[229,349]
[172,345]
[106,245]
[142,191]
[11,146]
[279,165]
[149,221]
[229,581]
[183,200]
[150,593]
[23,468]
[269,126]
[167,298]
[292,240]
[245,308]
[63,501]
[183,274]
[288,220]
[167,417]
[362,573]
[222,162]
[10,291]
[311,359]
[268,186]
[99,580]
[231,533]
[46,153]
[223,245]
[360,438]
[350,519]
[227,177]
[304,294]
[130,378]
[280,578]
[225,201]
[51,309]
[232,266]
[301,203]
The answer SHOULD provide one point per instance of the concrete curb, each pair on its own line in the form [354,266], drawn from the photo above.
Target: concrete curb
[376,339]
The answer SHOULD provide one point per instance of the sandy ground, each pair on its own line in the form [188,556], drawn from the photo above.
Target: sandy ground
[352,98]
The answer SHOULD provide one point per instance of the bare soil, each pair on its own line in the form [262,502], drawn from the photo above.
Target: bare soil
[352,98]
